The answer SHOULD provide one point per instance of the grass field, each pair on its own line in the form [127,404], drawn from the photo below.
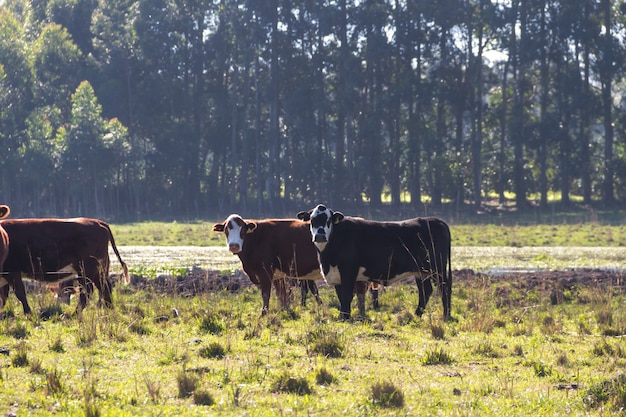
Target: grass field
[513,349]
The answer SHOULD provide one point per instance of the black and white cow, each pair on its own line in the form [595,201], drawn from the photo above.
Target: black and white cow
[353,249]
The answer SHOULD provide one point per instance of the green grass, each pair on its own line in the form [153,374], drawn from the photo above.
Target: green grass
[509,352]
[493,234]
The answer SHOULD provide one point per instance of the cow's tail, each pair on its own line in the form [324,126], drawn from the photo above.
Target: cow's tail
[119,258]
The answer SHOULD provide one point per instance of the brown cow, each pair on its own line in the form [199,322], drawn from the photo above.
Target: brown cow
[52,250]
[4,240]
[272,250]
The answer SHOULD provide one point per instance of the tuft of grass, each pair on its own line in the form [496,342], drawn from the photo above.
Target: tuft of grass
[324,377]
[57,345]
[211,324]
[20,359]
[437,356]
[203,397]
[287,383]
[325,342]
[485,348]
[54,382]
[19,331]
[213,350]
[386,394]
[187,384]
[609,393]
[154,389]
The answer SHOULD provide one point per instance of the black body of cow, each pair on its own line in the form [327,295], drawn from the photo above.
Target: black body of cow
[273,250]
[52,250]
[382,252]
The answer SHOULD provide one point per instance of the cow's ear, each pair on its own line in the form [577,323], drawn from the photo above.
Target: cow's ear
[250,227]
[219,227]
[337,217]
[305,216]
[4,211]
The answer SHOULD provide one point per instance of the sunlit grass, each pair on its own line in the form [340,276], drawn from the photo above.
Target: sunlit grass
[521,356]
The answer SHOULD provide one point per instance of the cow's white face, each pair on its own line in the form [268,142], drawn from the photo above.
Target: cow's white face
[235,228]
[322,220]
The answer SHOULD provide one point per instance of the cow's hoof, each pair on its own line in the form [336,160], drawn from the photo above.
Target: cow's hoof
[448,318]
[344,316]
[419,311]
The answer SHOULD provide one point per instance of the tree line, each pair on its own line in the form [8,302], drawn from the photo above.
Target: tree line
[140,109]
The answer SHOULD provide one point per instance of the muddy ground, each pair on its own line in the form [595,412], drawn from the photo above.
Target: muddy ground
[554,283]
[199,280]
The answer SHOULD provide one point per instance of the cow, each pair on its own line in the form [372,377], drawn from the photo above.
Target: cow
[53,250]
[353,249]
[272,250]
[4,239]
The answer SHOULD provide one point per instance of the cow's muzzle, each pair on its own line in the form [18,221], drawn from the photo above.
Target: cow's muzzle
[234,248]
[319,238]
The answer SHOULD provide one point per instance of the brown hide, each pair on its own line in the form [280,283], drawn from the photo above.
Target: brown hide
[50,250]
[4,241]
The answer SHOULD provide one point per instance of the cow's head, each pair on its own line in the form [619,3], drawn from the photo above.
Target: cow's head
[322,220]
[4,211]
[235,228]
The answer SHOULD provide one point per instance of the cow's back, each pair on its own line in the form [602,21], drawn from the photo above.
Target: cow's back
[384,250]
[37,245]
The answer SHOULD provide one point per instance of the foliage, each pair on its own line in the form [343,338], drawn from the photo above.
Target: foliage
[203,107]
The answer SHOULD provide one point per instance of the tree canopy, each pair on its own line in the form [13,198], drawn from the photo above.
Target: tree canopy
[146,109]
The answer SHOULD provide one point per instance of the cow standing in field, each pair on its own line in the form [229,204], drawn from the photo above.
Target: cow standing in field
[53,250]
[4,239]
[352,249]
[272,250]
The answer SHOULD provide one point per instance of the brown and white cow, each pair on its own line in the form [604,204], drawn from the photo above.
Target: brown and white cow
[52,250]
[353,249]
[272,250]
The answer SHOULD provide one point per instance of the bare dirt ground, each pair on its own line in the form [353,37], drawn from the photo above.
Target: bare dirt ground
[199,280]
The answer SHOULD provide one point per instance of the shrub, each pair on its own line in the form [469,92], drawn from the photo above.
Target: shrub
[385,394]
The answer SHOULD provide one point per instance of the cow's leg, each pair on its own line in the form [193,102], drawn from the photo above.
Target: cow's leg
[360,288]
[314,290]
[266,291]
[4,293]
[83,298]
[375,289]
[15,280]
[304,290]
[425,289]
[282,291]
[446,295]
[345,292]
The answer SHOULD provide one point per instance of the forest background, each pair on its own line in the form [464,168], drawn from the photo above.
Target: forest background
[184,109]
